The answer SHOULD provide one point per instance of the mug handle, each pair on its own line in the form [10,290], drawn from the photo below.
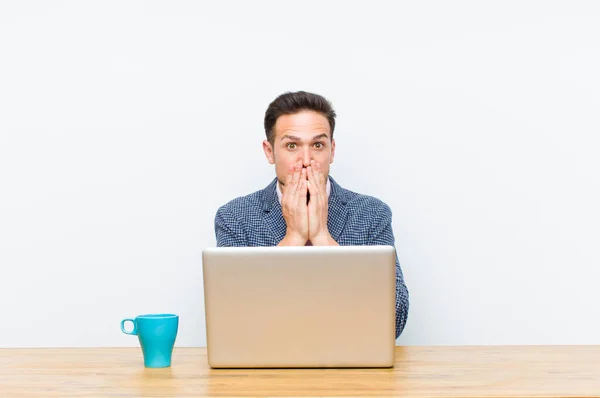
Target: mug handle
[134,331]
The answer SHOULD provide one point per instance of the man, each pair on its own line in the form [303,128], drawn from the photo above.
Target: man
[303,205]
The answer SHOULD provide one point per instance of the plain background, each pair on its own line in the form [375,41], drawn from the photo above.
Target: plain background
[124,125]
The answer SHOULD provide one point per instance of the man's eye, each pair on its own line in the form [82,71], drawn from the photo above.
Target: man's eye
[291,145]
[318,145]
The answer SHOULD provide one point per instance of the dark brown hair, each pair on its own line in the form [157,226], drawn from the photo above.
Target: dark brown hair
[294,102]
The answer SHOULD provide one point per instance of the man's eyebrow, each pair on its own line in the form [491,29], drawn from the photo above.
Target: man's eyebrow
[318,137]
[290,137]
[294,138]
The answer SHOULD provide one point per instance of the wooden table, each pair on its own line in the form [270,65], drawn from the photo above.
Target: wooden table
[419,371]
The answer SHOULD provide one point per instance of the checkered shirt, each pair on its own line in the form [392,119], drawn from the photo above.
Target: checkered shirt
[353,220]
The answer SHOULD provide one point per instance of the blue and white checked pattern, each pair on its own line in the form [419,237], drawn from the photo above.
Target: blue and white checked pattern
[353,220]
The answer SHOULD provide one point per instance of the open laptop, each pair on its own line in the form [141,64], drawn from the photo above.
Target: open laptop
[300,306]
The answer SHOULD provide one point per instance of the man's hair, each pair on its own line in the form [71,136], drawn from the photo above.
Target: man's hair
[294,102]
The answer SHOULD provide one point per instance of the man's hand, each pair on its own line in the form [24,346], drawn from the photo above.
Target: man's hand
[294,208]
[318,206]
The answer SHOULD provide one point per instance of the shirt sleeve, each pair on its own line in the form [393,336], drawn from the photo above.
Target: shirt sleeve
[228,230]
[382,234]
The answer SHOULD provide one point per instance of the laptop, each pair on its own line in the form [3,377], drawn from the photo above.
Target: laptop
[300,306]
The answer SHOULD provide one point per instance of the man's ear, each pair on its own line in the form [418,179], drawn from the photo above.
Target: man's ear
[332,151]
[269,153]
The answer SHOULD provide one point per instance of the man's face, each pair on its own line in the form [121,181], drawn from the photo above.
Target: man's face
[300,137]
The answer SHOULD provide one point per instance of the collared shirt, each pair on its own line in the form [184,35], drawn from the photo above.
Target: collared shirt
[353,220]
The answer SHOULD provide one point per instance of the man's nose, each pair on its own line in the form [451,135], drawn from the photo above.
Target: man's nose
[306,158]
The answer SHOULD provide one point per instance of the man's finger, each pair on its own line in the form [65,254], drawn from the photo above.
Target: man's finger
[314,172]
[314,195]
[313,182]
[315,178]
[296,189]
[303,191]
[295,177]
[319,173]
[302,179]
[288,179]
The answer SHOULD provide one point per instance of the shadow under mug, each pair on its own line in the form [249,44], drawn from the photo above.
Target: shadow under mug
[157,334]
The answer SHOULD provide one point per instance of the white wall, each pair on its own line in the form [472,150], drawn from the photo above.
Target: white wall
[125,124]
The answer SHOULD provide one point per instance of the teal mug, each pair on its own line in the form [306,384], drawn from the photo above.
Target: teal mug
[157,334]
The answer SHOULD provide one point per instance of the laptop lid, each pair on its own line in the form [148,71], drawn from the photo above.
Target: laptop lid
[309,306]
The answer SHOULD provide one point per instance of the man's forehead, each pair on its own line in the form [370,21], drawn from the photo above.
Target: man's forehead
[308,134]
[305,125]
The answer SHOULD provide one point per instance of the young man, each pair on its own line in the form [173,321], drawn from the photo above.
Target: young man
[303,205]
